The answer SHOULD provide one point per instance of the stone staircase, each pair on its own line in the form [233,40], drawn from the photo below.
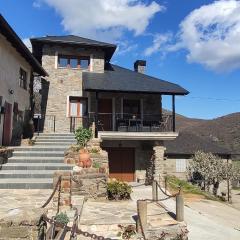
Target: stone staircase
[32,167]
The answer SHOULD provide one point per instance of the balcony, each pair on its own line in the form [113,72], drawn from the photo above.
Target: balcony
[124,124]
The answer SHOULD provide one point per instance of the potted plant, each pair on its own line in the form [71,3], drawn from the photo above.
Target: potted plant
[83,135]
[61,218]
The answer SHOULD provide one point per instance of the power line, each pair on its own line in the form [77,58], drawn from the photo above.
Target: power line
[215,99]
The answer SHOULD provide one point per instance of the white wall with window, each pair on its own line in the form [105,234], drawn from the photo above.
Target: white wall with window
[181,165]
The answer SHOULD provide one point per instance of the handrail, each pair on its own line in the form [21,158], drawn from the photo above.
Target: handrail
[165,192]
[54,191]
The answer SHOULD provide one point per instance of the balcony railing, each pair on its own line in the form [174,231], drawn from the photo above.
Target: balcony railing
[125,122]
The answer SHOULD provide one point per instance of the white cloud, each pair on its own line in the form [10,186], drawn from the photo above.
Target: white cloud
[37,4]
[159,44]
[27,42]
[210,34]
[106,18]
[124,47]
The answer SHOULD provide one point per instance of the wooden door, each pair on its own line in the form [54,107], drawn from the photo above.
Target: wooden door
[121,163]
[7,124]
[105,114]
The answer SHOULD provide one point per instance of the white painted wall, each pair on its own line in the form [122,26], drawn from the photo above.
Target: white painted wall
[10,63]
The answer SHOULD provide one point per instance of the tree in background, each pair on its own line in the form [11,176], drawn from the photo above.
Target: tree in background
[212,170]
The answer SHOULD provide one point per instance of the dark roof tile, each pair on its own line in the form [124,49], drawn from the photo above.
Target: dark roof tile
[120,79]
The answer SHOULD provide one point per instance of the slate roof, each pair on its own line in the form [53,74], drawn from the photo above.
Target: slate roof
[119,79]
[76,41]
[12,37]
[189,143]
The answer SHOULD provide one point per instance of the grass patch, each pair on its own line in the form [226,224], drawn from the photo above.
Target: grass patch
[187,188]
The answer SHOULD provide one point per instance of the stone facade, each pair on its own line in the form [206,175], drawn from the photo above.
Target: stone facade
[10,63]
[65,82]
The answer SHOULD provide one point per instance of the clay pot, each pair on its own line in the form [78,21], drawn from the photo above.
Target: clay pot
[84,159]
[88,163]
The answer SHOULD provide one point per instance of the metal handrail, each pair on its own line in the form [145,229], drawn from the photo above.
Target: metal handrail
[58,185]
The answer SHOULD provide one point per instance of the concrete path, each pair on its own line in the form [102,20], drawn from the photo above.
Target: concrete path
[205,219]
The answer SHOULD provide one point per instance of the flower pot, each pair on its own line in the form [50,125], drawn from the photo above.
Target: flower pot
[84,158]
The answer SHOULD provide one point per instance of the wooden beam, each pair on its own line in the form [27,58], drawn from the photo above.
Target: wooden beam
[173,114]
[96,116]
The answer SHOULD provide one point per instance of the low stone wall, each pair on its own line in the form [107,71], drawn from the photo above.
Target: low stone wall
[5,153]
[88,182]
[21,224]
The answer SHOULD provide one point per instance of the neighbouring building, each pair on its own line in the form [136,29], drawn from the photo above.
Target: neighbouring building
[180,152]
[125,106]
[17,66]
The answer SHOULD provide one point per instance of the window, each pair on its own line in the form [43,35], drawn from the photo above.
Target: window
[62,62]
[73,62]
[77,107]
[23,79]
[181,165]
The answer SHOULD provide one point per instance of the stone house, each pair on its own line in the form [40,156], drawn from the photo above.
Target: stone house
[17,66]
[124,106]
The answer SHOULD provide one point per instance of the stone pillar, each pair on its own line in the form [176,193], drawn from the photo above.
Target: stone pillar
[158,162]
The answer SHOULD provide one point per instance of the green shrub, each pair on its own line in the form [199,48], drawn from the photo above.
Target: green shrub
[83,135]
[96,165]
[62,218]
[117,190]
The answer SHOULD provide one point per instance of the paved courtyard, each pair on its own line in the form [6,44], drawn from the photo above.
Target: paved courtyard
[205,219]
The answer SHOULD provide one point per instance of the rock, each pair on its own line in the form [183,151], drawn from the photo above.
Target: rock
[77,169]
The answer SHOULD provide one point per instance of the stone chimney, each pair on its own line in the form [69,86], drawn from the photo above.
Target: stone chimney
[139,66]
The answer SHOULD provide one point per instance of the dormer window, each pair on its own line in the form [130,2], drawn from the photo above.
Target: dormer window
[74,62]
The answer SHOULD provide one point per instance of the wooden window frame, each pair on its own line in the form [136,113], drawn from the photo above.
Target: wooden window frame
[78,107]
[23,78]
[78,58]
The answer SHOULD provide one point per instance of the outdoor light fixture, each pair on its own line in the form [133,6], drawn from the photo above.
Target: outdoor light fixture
[11,91]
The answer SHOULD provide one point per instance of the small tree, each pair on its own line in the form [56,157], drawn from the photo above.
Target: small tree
[212,169]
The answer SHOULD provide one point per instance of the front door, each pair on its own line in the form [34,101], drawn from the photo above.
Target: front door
[105,114]
[7,124]
[121,163]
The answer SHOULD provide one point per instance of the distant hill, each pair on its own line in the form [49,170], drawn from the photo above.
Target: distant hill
[223,130]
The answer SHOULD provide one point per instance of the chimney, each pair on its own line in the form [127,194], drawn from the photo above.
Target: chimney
[139,66]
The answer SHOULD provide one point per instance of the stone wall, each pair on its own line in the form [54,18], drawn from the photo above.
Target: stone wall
[89,182]
[65,82]
[21,224]
[5,153]
[10,63]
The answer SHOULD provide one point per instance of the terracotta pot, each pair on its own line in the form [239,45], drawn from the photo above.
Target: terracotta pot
[84,158]
[88,163]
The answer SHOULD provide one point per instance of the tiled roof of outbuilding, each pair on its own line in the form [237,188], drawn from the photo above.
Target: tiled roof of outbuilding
[188,143]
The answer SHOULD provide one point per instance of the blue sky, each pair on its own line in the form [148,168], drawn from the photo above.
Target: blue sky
[192,43]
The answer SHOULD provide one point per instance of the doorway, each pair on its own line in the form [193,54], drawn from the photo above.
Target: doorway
[7,124]
[122,163]
[105,114]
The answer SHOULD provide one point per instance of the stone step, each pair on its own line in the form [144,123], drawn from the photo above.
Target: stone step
[38,154]
[36,160]
[26,183]
[46,143]
[41,148]
[37,166]
[55,140]
[55,135]
[27,173]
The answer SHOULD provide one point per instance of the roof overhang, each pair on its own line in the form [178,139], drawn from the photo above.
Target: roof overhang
[12,37]
[108,50]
